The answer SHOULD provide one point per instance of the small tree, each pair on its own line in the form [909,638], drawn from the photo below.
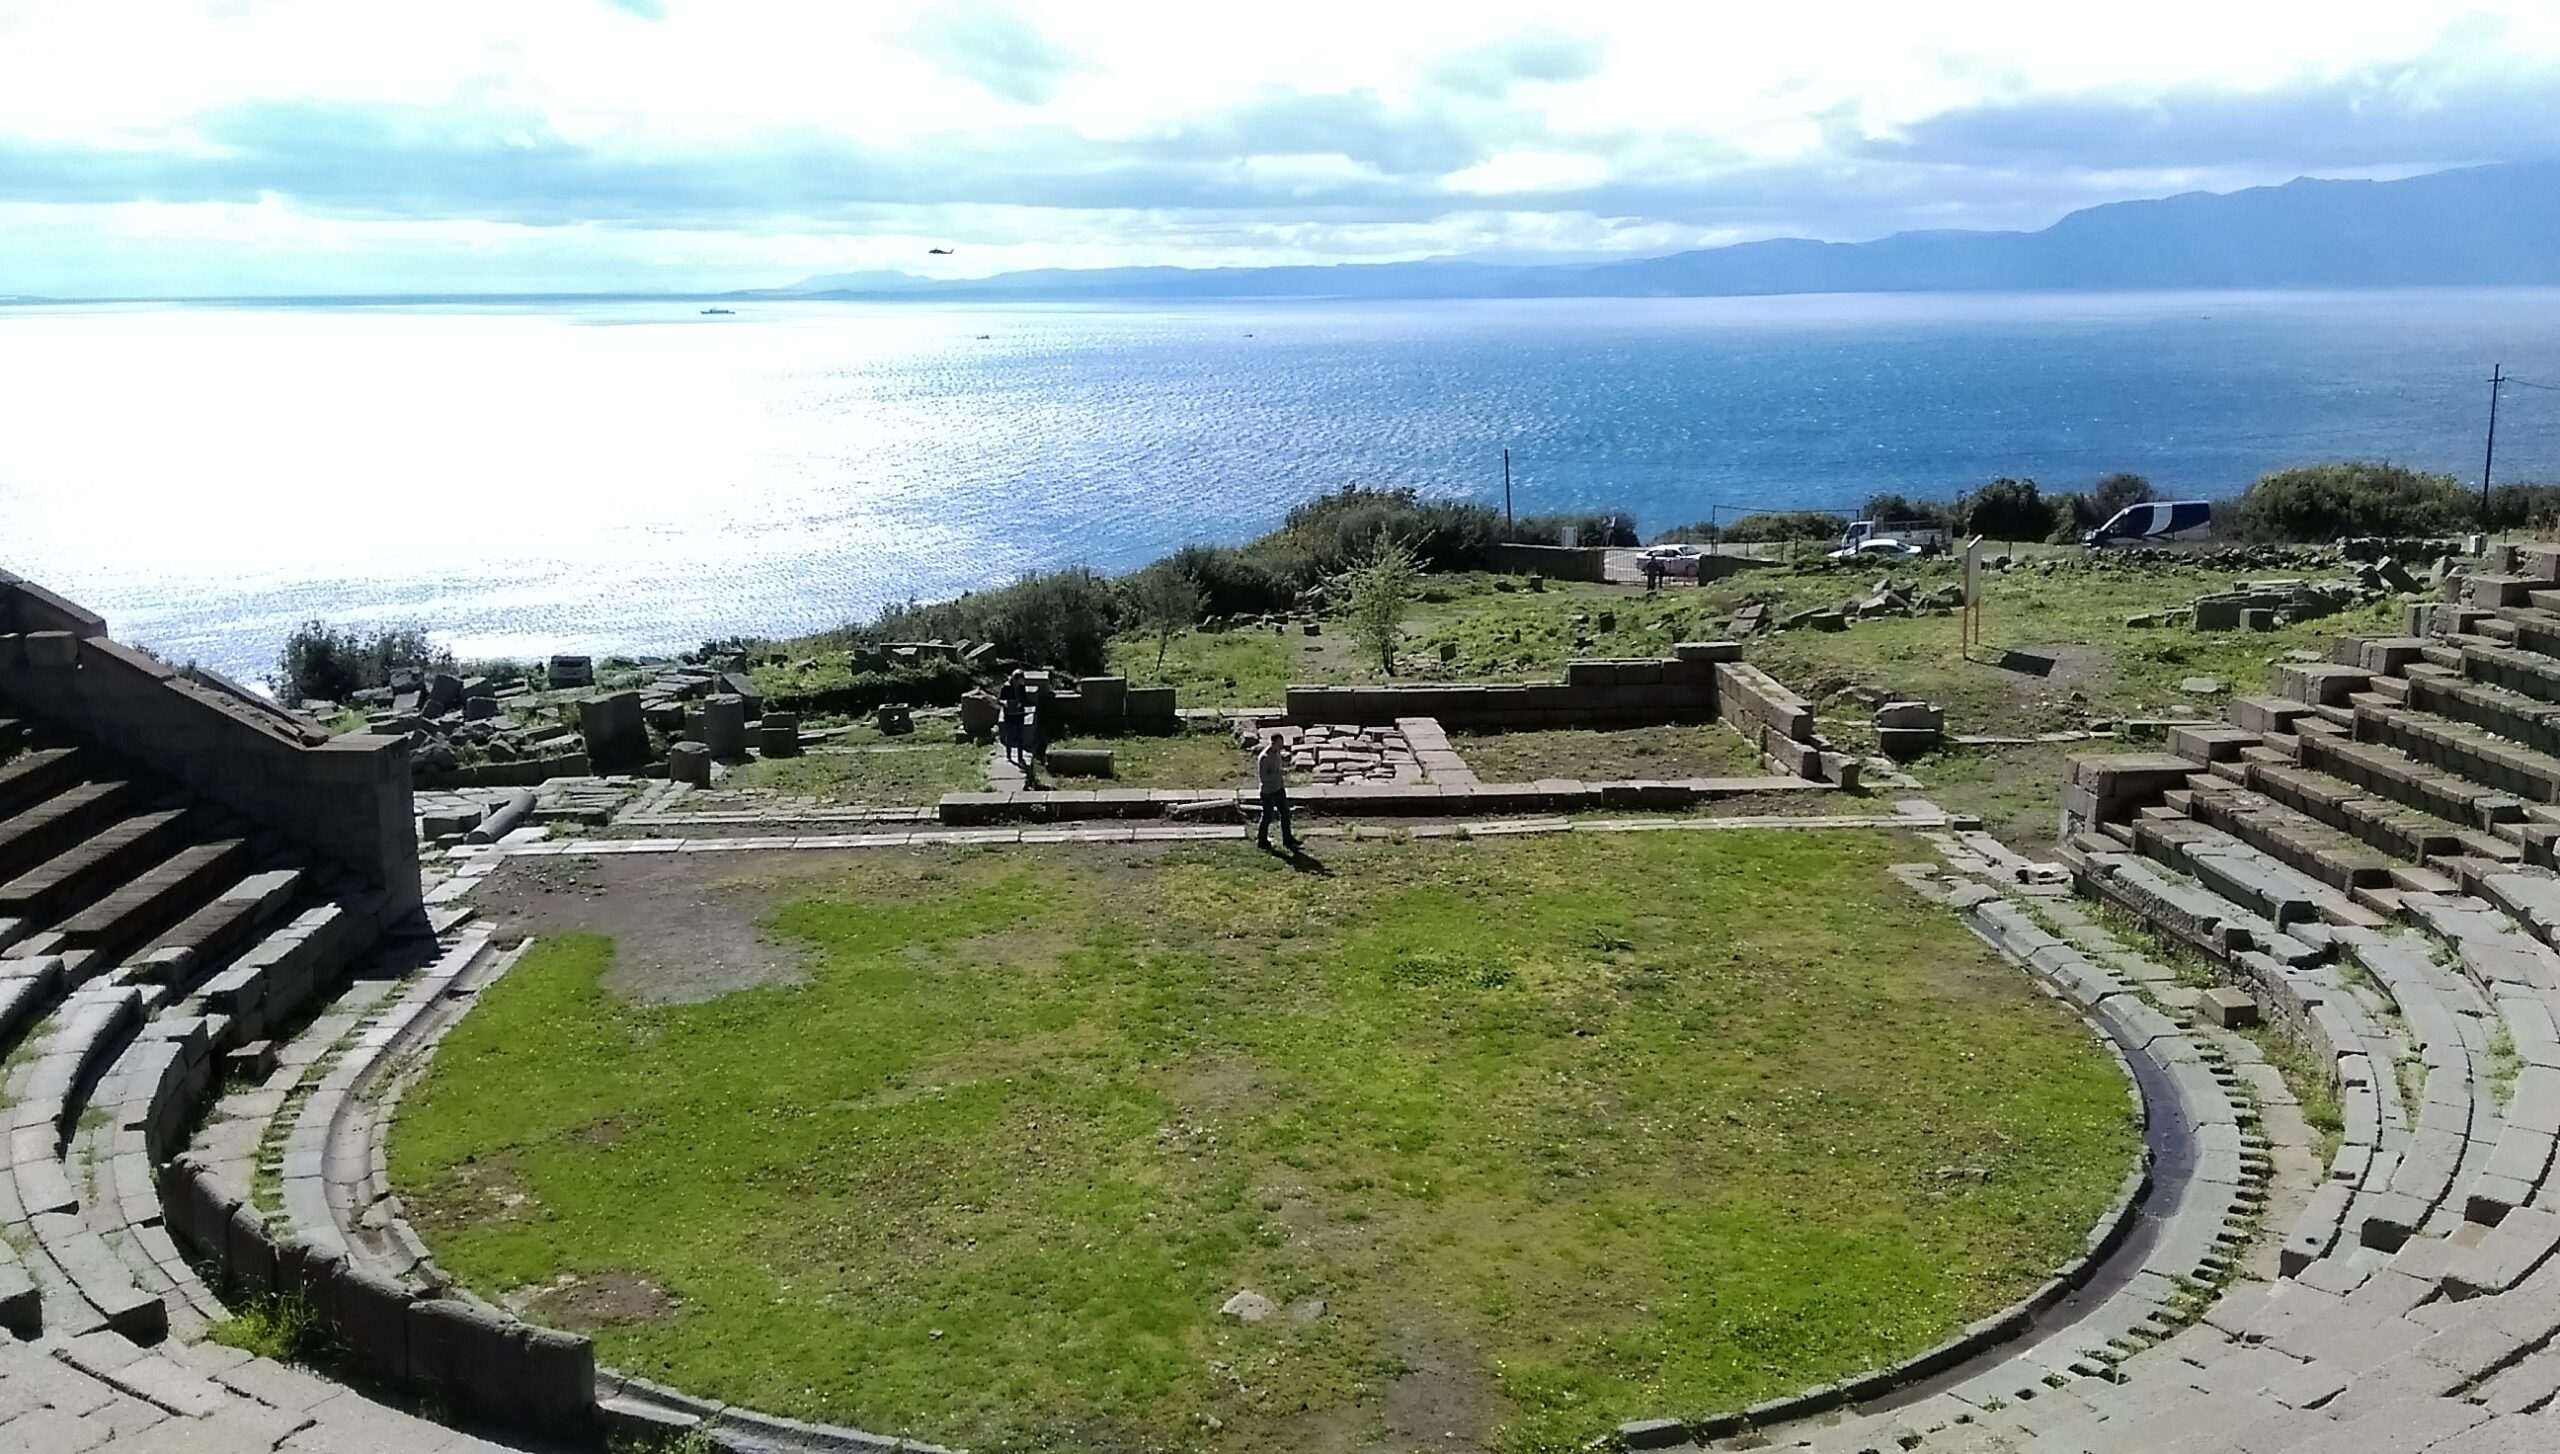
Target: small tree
[2008,509]
[1166,601]
[2117,491]
[2359,497]
[1382,589]
[1894,509]
[325,663]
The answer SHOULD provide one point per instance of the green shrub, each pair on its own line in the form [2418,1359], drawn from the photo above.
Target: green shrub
[326,663]
[2524,507]
[2006,509]
[1891,509]
[1232,582]
[1162,600]
[936,682]
[1614,528]
[279,1326]
[2115,492]
[1787,525]
[1696,532]
[1329,534]
[1382,590]
[2360,497]
[1049,618]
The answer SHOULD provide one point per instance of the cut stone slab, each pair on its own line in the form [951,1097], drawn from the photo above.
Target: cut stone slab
[2203,686]
[2227,1007]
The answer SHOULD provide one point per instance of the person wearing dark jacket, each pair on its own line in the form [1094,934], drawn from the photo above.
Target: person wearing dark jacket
[1271,767]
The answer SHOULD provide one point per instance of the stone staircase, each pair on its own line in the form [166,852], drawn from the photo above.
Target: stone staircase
[134,918]
[186,874]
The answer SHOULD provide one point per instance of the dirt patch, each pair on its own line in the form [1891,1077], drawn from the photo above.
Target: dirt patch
[1445,1399]
[2074,668]
[607,1299]
[474,1193]
[683,931]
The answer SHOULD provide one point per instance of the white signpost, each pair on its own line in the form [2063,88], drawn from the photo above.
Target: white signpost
[1971,626]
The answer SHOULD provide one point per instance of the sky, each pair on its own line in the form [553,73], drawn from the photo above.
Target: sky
[216,147]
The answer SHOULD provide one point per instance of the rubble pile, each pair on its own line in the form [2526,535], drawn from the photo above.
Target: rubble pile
[449,718]
[2266,605]
[1887,597]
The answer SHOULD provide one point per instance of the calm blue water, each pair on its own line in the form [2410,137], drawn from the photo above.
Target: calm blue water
[637,476]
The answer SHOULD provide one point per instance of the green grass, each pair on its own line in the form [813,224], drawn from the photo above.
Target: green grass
[2313,1081]
[1686,750]
[2015,791]
[906,772]
[1614,1126]
[2102,665]
[2074,616]
[282,1327]
[1208,758]
[2505,1064]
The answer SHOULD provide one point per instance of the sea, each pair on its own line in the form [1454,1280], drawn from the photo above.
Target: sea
[639,477]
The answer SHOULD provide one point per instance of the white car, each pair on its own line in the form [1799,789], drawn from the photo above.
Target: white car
[1677,560]
[1884,545]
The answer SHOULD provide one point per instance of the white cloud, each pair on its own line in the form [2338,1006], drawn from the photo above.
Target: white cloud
[739,142]
[1517,173]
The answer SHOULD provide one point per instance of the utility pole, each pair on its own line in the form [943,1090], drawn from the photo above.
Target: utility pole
[1506,490]
[2497,380]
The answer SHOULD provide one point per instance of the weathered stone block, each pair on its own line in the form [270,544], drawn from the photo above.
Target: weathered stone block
[372,1316]
[779,734]
[51,649]
[724,726]
[689,762]
[2230,1008]
[1708,651]
[1081,761]
[615,732]
[249,1253]
[546,1378]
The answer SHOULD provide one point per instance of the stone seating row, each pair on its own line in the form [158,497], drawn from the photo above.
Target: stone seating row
[2454,1110]
[2358,1194]
[2434,1331]
[2293,983]
[2353,1350]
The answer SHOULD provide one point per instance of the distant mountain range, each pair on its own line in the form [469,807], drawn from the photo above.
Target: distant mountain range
[2477,226]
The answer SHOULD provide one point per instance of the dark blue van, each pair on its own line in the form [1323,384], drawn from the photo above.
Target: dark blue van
[2161,520]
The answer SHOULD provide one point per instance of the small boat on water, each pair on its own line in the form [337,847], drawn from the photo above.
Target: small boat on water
[711,312]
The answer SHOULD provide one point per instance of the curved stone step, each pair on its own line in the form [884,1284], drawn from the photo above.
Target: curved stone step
[2450,1104]
[2389,773]
[48,1096]
[28,989]
[2465,751]
[2301,842]
[2386,825]
[269,983]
